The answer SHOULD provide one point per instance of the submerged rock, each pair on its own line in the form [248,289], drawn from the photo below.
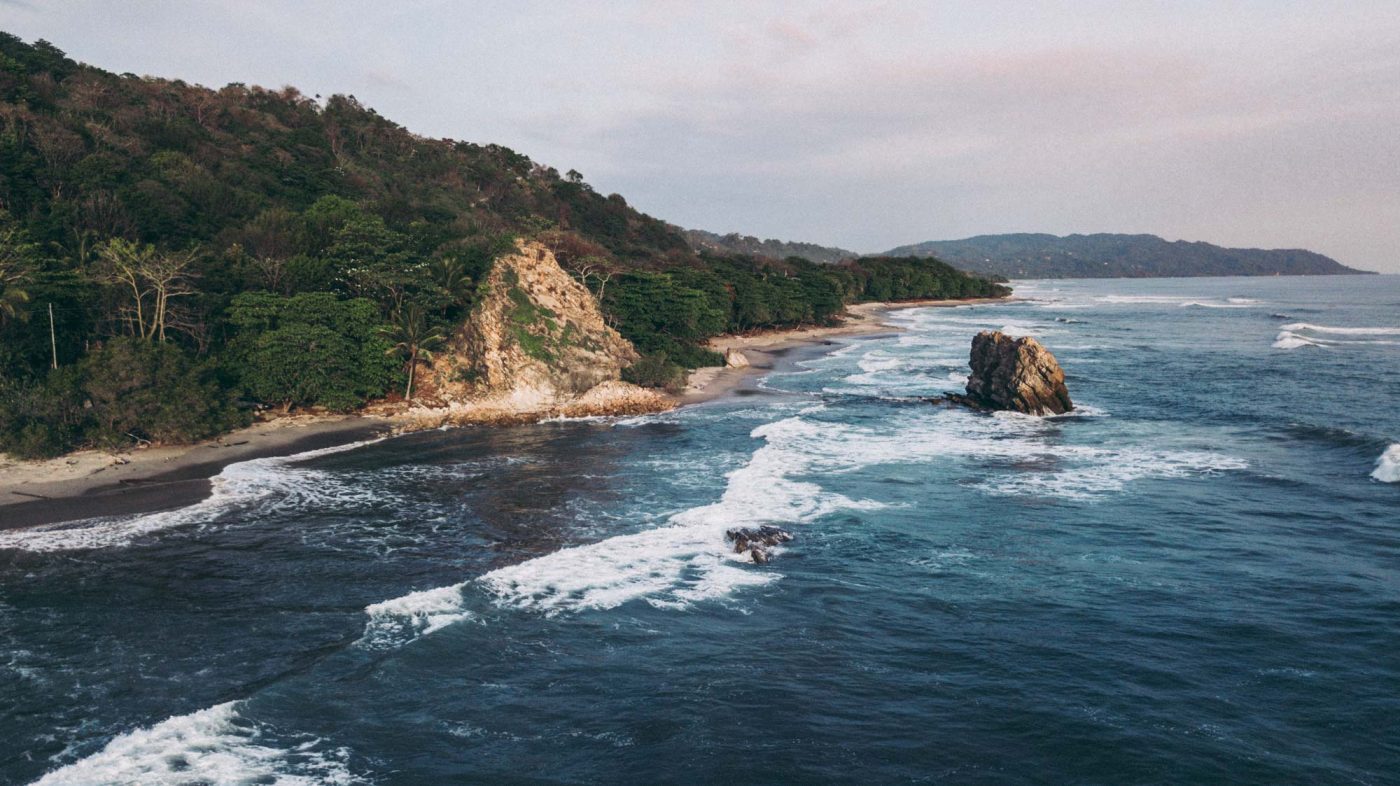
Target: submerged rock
[755,541]
[1015,374]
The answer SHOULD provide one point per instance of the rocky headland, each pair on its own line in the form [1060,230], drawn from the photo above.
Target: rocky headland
[534,346]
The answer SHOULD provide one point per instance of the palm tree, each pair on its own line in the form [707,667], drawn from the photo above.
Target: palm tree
[413,339]
[450,274]
[16,268]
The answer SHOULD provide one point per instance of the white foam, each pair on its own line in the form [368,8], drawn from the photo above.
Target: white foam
[1141,299]
[240,483]
[1346,331]
[1287,339]
[400,620]
[1092,472]
[1388,465]
[1230,303]
[686,561]
[214,746]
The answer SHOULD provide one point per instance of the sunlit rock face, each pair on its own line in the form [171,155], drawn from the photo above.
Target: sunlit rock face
[536,337]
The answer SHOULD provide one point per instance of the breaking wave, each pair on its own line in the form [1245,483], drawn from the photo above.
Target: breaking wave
[1305,334]
[215,746]
[1341,331]
[1388,465]
[274,481]
[686,561]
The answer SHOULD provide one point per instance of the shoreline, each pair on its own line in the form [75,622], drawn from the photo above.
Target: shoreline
[92,483]
[763,348]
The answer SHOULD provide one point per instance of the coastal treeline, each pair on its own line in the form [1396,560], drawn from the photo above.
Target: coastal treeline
[174,257]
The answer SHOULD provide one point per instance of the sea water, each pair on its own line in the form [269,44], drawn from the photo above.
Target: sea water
[1195,577]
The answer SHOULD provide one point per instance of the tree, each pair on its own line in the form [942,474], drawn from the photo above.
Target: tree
[18,261]
[449,273]
[149,280]
[309,349]
[413,339]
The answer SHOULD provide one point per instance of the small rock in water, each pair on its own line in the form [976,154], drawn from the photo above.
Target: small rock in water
[757,540]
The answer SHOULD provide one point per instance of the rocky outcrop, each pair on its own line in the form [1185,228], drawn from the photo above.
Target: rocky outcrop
[735,358]
[756,541]
[535,339]
[1014,374]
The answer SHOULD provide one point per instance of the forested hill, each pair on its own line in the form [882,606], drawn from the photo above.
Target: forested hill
[1117,256]
[173,256]
[735,243]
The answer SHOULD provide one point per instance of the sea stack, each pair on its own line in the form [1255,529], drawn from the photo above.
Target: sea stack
[1015,374]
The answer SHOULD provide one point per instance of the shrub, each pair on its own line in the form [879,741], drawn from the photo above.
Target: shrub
[44,418]
[655,370]
[148,390]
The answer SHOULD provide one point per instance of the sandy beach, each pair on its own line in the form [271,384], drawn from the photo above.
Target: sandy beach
[90,483]
[760,348]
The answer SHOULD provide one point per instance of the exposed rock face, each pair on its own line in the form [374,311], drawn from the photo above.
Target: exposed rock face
[534,339]
[1016,374]
[755,541]
[735,358]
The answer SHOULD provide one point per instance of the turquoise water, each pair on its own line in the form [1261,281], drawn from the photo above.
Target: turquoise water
[1196,577]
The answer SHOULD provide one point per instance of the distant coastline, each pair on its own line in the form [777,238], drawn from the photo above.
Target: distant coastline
[1039,255]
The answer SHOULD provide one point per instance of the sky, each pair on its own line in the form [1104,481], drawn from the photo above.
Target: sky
[864,125]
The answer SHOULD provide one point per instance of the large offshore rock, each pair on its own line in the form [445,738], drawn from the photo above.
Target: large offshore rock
[1015,374]
[535,338]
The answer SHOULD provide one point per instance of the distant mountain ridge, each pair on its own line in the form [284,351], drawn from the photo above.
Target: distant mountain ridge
[1031,255]
[735,243]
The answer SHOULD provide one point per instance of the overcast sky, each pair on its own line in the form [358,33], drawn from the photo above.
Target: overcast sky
[860,124]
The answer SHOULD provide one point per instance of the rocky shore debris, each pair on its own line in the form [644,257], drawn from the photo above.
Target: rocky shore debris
[756,541]
[1016,374]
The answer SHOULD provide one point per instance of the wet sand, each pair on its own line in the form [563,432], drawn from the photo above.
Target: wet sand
[90,483]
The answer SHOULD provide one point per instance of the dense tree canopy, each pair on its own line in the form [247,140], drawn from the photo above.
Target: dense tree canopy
[172,255]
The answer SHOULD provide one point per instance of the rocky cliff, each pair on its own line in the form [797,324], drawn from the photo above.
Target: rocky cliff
[535,339]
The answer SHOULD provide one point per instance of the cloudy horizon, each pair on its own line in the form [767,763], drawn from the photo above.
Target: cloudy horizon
[860,125]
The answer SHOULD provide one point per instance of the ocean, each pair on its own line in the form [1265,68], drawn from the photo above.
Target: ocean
[1194,577]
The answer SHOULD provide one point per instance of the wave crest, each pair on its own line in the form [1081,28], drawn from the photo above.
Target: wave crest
[212,746]
[1388,465]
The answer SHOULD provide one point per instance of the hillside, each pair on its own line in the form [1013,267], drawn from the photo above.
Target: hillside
[735,243]
[174,258]
[1116,256]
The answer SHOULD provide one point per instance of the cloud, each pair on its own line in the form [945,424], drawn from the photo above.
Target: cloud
[862,124]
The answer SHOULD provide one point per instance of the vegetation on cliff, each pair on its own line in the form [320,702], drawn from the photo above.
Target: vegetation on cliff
[735,243]
[219,250]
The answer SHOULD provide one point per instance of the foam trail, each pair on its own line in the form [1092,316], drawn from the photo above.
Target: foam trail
[215,746]
[238,483]
[1388,465]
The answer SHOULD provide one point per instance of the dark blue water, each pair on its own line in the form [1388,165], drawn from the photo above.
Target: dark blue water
[1194,579]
